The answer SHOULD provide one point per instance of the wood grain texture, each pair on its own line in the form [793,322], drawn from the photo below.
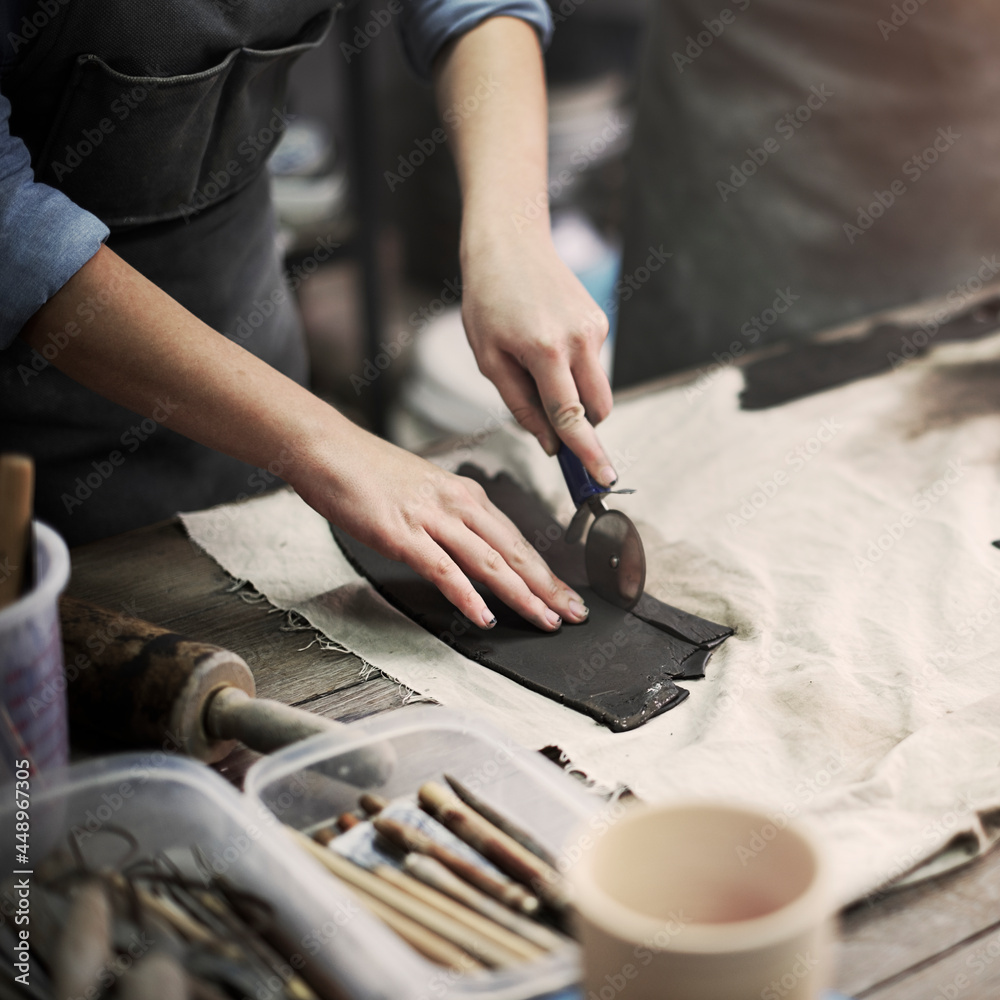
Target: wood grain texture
[909,945]
[158,574]
[900,930]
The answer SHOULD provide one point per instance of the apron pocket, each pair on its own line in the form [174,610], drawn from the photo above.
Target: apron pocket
[140,149]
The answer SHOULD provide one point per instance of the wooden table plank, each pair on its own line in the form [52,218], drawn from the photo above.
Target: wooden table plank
[909,945]
[905,927]
[158,574]
[967,972]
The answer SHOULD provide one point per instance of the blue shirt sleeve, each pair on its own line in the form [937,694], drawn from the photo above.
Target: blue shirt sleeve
[427,24]
[44,237]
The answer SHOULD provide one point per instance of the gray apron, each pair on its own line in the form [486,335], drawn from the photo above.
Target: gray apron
[805,162]
[158,119]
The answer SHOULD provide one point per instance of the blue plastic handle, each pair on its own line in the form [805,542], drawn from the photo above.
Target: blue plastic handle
[581,486]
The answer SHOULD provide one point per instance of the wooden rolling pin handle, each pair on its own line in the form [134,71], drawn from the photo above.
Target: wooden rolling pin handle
[260,723]
[143,685]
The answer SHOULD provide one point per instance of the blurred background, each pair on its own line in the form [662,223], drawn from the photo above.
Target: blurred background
[371,240]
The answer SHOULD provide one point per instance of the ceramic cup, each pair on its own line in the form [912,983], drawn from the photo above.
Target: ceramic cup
[702,901]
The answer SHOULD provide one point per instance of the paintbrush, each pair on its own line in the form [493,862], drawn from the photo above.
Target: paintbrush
[514,943]
[17,484]
[84,946]
[409,838]
[500,821]
[457,932]
[372,804]
[434,874]
[429,944]
[495,845]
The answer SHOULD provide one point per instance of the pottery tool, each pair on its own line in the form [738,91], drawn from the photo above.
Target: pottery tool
[17,480]
[618,667]
[372,804]
[495,845]
[144,685]
[202,936]
[500,821]
[613,554]
[458,931]
[409,838]
[434,874]
[84,947]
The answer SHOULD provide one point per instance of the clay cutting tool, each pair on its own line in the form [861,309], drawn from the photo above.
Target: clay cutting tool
[613,554]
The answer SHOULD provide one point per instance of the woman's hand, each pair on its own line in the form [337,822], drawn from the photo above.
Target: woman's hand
[535,331]
[537,335]
[148,347]
[441,525]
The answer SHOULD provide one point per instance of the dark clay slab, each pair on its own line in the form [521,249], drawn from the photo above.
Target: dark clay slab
[615,667]
[812,367]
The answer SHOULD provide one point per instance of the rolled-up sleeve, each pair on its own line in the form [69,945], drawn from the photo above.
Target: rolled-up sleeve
[44,237]
[426,25]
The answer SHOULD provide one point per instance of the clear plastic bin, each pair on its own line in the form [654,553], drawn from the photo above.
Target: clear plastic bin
[169,804]
[315,781]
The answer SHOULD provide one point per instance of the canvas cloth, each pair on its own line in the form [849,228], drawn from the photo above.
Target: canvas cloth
[847,538]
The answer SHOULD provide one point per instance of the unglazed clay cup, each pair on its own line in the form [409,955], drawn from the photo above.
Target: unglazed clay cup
[702,901]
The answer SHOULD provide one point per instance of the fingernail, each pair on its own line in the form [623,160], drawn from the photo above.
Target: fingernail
[553,619]
[578,609]
[608,476]
[489,619]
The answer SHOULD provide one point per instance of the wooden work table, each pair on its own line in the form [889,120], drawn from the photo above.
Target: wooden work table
[936,941]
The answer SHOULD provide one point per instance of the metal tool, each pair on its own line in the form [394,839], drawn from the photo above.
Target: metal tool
[614,556]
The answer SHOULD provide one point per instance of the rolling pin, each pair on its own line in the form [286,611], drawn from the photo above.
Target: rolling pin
[146,686]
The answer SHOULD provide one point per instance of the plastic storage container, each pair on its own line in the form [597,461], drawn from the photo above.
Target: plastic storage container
[32,683]
[169,804]
[316,780]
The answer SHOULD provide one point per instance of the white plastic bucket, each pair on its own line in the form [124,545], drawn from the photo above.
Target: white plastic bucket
[32,681]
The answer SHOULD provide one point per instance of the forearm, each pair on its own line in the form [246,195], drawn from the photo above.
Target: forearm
[144,350]
[535,330]
[500,147]
[148,353]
